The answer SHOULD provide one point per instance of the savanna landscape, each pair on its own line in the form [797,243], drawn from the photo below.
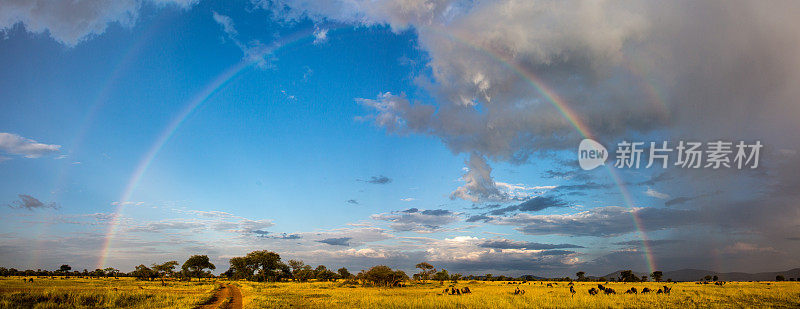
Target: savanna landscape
[262,280]
[399,154]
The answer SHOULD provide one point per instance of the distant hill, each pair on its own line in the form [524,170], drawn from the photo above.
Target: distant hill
[616,274]
[698,274]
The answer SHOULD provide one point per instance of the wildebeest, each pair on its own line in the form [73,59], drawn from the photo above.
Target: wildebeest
[593,291]
[30,280]
[601,287]
[646,290]
[519,292]
[549,285]
[609,291]
[466,290]
[572,291]
[631,291]
[667,289]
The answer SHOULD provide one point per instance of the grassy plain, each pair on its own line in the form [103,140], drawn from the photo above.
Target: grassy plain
[129,293]
[102,293]
[538,295]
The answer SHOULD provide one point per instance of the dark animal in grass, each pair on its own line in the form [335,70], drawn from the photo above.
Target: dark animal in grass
[549,285]
[593,291]
[466,290]
[646,290]
[632,291]
[667,289]
[30,280]
[572,291]
[519,292]
[610,291]
[659,291]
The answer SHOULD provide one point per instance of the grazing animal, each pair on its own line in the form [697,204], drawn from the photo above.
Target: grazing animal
[466,290]
[549,285]
[601,287]
[646,290]
[30,280]
[593,291]
[570,284]
[610,291]
[572,291]
[458,292]
[659,291]
[447,290]
[667,289]
[519,292]
[632,291]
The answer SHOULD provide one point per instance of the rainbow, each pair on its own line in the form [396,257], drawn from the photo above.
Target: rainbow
[575,121]
[209,90]
[221,80]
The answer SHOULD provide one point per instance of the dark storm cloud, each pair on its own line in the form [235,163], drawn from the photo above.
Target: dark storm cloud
[600,221]
[30,203]
[477,218]
[378,180]
[417,220]
[677,200]
[270,235]
[651,243]
[532,205]
[340,241]
[510,244]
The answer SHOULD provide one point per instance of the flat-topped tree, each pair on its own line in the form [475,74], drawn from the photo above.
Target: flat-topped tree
[196,264]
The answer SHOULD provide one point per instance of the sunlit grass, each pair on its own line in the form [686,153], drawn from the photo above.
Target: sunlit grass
[104,292]
[500,294]
[130,293]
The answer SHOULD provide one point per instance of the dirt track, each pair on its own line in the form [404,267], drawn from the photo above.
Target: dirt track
[229,293]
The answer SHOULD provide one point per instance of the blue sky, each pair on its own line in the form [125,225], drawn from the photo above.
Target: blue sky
[360,134]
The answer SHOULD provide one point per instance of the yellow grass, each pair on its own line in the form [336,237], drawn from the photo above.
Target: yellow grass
[500,295]
[102,293]
[126,292]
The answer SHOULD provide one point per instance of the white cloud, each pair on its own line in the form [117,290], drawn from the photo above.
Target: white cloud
[18,145]
[479,186]
[71,22]
[254,50]
[656,194]
[320,35]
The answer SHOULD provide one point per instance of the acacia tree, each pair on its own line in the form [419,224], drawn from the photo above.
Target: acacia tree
[425,271]
[142,272]
[581,275]
[657,275]
[344,273]
[64,269]
[164,270]
[382,275]
[441,276]
[111,271]
[262,266]
[196,264]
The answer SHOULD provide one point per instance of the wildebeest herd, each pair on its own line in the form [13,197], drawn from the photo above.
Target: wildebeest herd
[632,290]
[456,291]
